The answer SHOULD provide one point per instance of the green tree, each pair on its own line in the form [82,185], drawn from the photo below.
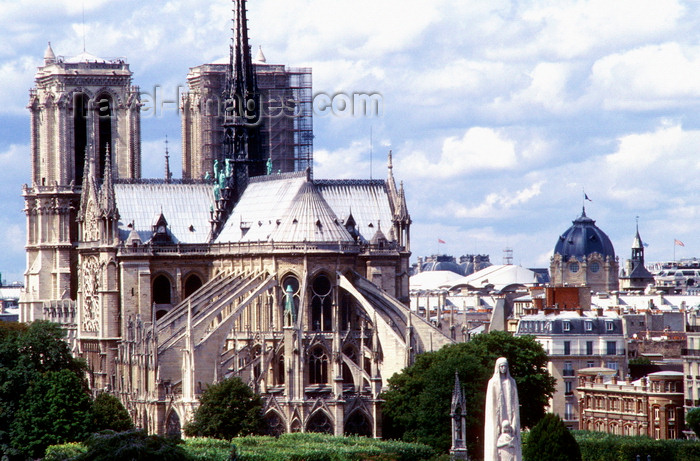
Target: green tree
[27,353]
[417,405]
[227,409]
[550,440]
[54,409]
[109,413]
[692,419]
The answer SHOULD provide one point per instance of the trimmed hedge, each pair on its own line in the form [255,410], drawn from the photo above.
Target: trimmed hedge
[290,447]
[598,446]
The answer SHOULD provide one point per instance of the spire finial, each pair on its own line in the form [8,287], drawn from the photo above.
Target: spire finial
[49,56]
[168,174]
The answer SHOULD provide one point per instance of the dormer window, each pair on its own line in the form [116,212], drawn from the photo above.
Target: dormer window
[160,234]
[567,325]
[609,326]
[588,325]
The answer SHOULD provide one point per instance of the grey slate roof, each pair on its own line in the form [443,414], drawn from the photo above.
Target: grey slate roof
[367,200]
[184,206]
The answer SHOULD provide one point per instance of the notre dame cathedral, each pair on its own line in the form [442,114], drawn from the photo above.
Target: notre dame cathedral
[247,266]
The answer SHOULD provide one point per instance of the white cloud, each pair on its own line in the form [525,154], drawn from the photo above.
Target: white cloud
[649,77]
[494,206]
[480,148]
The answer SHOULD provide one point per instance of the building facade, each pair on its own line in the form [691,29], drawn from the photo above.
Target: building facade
[298,286]
[575,341]
[651,406]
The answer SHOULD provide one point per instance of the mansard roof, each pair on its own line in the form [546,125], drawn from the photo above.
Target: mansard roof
[184,206]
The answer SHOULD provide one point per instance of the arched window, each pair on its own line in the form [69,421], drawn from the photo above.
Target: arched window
[104,109]
[280,371]
[321,304]
[320,422]
[347,310]
[290,300]
[161,290]
[318,366]
[358,424]
[275,424]
[192,284]
[80,124]
[173,428]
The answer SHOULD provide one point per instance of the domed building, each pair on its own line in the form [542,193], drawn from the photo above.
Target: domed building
[584,255]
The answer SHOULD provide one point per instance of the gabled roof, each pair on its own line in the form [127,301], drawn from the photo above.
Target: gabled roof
[184,206]
[368,201]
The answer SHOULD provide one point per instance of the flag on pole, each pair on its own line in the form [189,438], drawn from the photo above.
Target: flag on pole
[678,242]
[585,195]
[441,241]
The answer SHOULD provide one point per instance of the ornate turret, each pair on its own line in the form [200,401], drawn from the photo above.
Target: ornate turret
[635,276]
[397,200]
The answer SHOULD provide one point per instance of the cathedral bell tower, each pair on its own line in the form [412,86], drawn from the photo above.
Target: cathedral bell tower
[82,110]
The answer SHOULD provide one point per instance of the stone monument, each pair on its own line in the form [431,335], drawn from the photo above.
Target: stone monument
[458,413]
[502,422]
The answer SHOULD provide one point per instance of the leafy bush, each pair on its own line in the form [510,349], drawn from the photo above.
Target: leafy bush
[109,413]
[307,447]
[692,419]
[133,445]
[65,451]
[599,446]
[550,440]
[227,409]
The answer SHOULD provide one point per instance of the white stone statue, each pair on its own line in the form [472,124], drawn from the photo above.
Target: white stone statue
[502,424]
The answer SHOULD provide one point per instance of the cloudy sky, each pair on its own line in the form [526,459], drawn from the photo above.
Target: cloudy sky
[499,113]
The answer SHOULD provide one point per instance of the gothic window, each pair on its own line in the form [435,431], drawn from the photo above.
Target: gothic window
[321,304]
[275,424]
[104,108]
[318,366]
[173,429]
[255,359]
[80,124]
[358,424]
[161,290]
[290,299]
[320,422]
[192,284]
[280,370]
[346,311]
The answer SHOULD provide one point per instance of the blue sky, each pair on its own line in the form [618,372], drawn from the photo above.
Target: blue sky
[499,113]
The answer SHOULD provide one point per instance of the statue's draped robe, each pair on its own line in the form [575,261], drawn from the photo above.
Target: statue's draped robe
[501,405]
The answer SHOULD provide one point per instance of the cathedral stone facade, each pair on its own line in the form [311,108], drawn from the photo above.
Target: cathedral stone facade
[299,286]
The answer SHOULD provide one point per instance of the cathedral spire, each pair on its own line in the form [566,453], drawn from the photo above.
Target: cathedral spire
[168,174]
[107,201]
[242,155]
